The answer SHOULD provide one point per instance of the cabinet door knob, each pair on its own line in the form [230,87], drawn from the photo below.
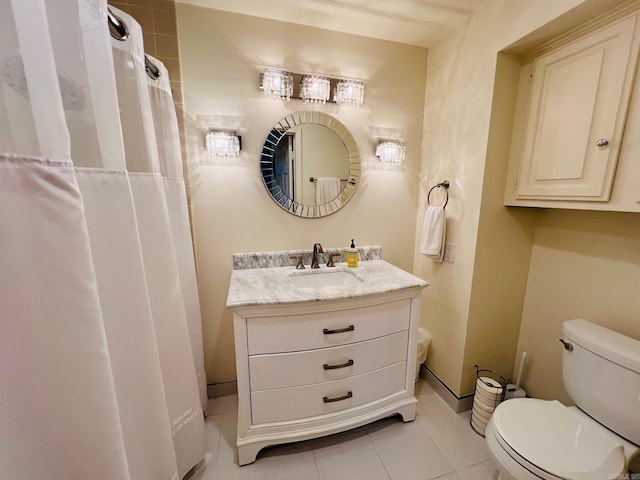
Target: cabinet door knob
[602,142]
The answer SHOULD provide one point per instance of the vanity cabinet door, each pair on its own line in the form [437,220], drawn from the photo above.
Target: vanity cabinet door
[578,103]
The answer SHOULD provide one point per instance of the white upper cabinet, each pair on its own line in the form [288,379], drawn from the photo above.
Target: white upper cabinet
[574,100]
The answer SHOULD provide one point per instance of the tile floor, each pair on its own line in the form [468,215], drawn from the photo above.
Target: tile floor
[439,444]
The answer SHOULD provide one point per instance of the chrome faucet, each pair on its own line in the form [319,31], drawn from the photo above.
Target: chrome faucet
[317,248]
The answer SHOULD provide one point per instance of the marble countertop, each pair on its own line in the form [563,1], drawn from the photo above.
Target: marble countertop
[272,286]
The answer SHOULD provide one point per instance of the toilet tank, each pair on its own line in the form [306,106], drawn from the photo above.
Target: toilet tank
[602,376]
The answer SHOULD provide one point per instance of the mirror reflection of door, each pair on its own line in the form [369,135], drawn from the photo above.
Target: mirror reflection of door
[284,164]
[320,153]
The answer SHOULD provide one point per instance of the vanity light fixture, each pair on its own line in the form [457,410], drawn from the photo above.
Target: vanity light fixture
[223,144]
[281,84]
[390,151]
[277,83]
[349,93]
[315,88]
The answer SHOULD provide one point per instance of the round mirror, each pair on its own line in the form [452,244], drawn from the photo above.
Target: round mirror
[310,164]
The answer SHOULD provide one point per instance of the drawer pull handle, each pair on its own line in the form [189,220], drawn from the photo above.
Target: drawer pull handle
[326,366]
[337,399]
[350,328]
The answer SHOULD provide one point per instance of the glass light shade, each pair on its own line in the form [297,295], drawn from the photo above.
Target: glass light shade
[391,152]
[315,89]
[349,93]
[277,83]
[223,144]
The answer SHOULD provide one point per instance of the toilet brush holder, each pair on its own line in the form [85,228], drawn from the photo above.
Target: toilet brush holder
[513,391]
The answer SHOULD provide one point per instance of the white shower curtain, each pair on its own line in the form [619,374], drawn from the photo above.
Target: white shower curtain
[97,381]
[170,157]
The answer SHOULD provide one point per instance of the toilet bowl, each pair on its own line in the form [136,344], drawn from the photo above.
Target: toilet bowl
[596,439]
[533,439]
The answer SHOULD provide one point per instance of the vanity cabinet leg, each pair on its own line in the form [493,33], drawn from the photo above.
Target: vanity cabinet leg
[408,413]
[247,453]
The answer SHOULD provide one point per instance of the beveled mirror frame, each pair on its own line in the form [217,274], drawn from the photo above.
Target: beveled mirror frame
[279,130]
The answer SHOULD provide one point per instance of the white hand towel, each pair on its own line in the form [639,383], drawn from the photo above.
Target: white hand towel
[327,188]
[433,233]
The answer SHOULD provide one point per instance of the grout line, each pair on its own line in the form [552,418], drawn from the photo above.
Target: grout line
[315,460]
[215,456]
[439,451]
[379,457]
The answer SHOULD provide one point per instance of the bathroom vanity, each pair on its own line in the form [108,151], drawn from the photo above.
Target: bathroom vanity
[321,351]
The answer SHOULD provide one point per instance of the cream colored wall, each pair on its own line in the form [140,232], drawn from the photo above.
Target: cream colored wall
[221,56]
[503,246]
[584,265]
[465,305]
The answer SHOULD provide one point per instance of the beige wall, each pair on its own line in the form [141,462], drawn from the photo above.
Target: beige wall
[584,265]
[518,273]
[473,307]
[503,246]
[221,56]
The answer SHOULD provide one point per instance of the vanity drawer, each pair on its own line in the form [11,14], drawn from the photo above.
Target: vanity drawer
[312,400]
[290,333]
[322,365]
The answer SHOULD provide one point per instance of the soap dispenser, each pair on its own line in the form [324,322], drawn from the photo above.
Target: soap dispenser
[352,255]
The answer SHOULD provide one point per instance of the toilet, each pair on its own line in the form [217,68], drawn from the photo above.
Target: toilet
[595,440]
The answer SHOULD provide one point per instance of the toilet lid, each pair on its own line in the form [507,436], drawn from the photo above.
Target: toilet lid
[551,437]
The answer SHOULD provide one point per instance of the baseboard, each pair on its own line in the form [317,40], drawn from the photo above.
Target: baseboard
[458,404]
[222,389]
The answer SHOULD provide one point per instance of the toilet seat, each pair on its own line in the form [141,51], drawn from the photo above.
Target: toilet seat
[551,441]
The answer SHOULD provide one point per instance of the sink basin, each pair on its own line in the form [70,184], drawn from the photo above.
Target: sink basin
[323,278]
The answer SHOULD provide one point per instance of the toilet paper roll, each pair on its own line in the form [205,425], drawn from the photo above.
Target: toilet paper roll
[478,426]
[488,398]
[480,415]
[486,408]
[489,385]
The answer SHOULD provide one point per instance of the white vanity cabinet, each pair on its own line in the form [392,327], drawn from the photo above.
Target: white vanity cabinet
[574,96]
[315,368]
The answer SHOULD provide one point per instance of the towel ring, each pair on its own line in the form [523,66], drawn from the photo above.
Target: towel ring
[444,185]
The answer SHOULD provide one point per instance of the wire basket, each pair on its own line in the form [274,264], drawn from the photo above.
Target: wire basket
[488,393]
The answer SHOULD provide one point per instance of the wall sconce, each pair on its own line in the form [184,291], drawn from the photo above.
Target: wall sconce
[223,144]
[390,151]
[315,89]
[349,93]
[277,83]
